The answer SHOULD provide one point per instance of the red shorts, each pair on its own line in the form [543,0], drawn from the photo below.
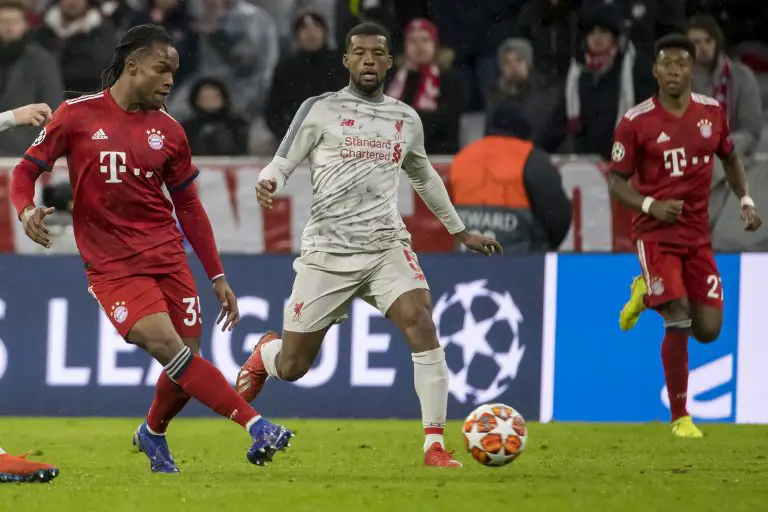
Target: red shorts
[672,272]
[126,300]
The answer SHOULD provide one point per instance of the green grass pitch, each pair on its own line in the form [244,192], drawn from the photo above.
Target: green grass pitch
[376,465]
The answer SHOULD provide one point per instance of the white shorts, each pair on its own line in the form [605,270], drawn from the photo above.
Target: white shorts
[326,283]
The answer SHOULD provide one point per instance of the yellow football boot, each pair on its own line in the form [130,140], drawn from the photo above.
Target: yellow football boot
[684,427]
[634,306]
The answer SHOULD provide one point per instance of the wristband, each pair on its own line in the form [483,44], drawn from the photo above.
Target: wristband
[216,277]
[647,202]
[747,201]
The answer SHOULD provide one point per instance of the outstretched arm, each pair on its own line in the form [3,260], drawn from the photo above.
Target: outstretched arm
[36,114]
[302,136]
[430,187]
[50,144]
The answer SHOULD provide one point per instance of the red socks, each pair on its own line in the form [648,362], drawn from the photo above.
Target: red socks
[674,356]
[203,381]
[169,400]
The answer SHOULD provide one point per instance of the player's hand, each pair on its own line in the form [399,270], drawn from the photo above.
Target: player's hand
[230,313]
[34,225]
[666,211]
[36,114]
[480,243]
[751,219]
[265,190]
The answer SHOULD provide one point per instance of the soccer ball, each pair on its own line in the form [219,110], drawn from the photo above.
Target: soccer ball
[495,434]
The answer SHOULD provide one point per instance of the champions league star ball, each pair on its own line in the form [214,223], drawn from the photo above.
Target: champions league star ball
[495,434]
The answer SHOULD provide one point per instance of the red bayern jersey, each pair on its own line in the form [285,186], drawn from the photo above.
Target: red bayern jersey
[118,163]
[670,157]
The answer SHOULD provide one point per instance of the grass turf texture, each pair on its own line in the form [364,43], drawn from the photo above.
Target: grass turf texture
[377,465]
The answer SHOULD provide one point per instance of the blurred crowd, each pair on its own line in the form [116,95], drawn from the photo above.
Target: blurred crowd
[572,66]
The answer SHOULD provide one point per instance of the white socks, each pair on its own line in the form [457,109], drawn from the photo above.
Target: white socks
[269,352]
[430,375]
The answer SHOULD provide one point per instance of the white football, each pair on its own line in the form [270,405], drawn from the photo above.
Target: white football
[495,434]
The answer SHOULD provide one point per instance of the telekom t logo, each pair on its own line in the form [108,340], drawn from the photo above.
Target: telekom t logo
[113,165]
[674,159]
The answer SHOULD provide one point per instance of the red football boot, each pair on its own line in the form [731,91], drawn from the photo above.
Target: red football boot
[19,469]
[253,375]
[438,456]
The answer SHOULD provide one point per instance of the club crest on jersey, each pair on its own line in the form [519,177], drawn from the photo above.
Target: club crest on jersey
[657,286]
[155,139]
[617,153]
[399,129]
[40,138]
[119,312]
[705,127]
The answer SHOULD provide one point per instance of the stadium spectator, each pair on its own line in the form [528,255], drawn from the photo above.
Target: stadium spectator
[474,30]
[644,21]
[740,20]
[503,185]
[430,87]
[311,71]
[729,82]
[521,83]
[552,28]
[239,45]
[172,16]
[391,14]
[214,129]
[82,39]
[28,74]
[119,12]
[605,81]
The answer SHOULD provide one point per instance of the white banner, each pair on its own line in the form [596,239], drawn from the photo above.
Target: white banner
[226,186]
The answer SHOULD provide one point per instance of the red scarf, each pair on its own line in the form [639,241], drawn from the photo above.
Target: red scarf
[722,84]
[427,92]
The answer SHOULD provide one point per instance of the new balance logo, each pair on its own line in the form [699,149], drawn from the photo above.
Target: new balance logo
[662,138]
[99,135]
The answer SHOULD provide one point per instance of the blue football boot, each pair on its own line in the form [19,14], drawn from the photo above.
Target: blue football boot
[268,438]
[156,449]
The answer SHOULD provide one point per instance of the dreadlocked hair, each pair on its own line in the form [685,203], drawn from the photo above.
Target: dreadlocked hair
[138,38]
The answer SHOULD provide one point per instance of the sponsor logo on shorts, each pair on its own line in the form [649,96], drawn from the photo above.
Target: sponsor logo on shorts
[297,308]
[119,312]
[657,286]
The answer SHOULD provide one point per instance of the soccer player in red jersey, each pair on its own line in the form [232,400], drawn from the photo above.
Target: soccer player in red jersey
[121,149]
[662,160]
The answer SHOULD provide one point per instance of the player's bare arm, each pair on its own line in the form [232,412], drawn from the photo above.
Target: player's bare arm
[666,211]
[32,115]
[737,179]
[265,191]
[36,114]
[33,220]
[230,313]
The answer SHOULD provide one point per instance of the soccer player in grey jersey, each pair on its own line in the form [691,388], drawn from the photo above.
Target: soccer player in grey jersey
[355,243]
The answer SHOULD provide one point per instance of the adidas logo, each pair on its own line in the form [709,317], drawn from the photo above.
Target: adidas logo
[662,138]
[99,135]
